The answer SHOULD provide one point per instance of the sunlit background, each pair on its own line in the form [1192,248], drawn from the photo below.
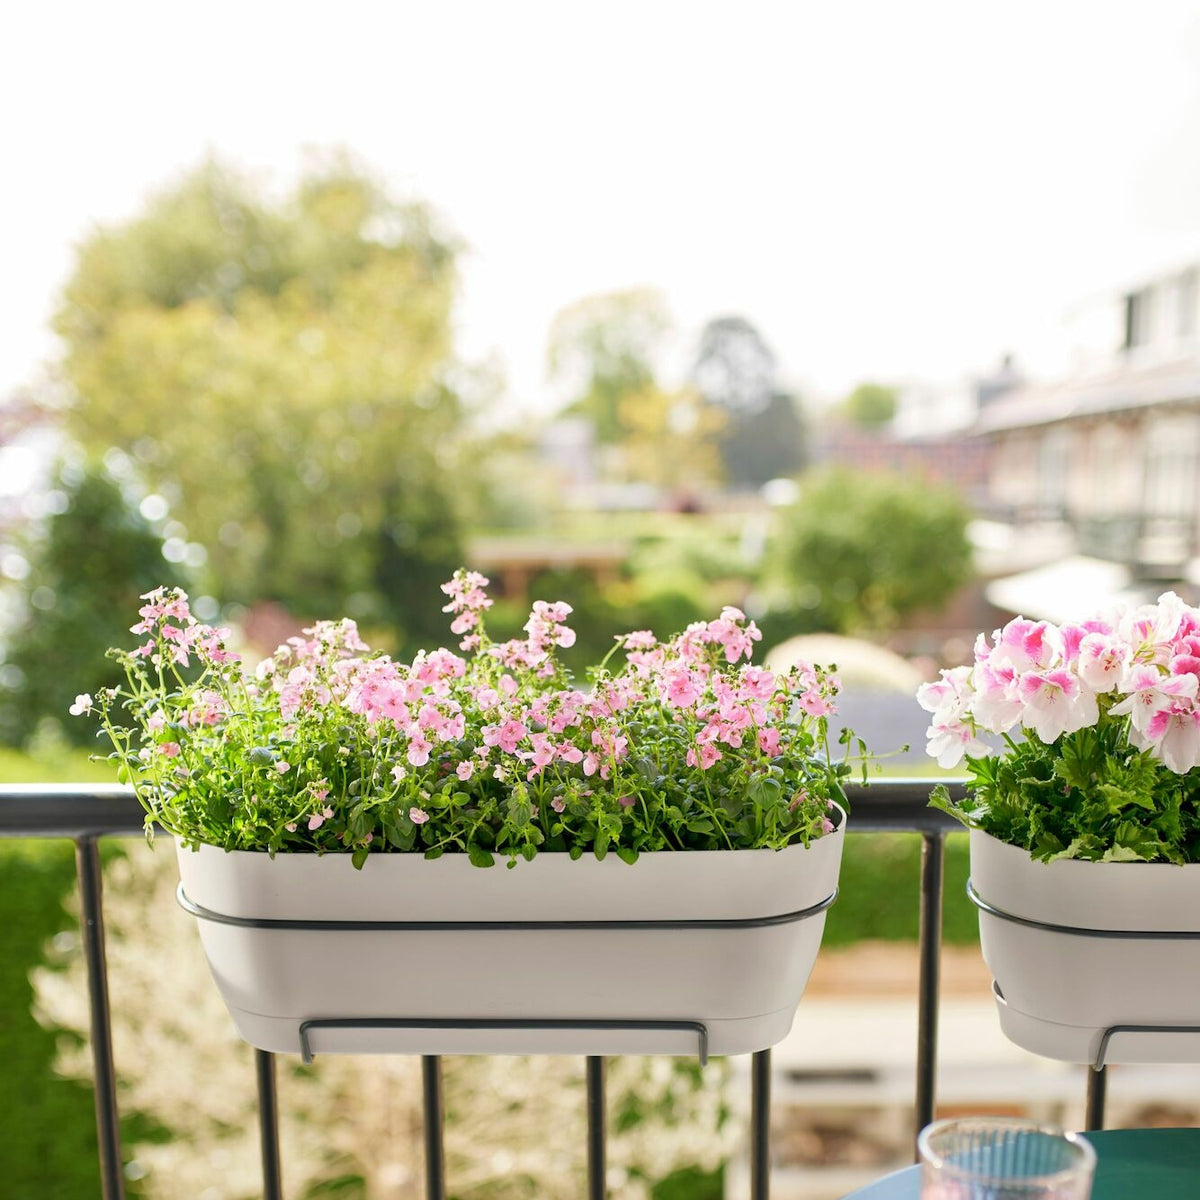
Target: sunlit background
[880,321]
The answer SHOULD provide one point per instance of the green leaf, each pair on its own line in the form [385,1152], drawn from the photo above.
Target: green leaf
[627,854]
[479,856]
[359,857]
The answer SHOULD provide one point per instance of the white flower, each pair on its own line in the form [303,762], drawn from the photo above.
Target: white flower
[1056,703]
[83,704]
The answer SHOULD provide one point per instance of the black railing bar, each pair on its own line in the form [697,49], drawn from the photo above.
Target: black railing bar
[268,1124]
[1097,1086]
[597,1129]
[929,951]
[108,1120]
[760,1125]
[92,809]
[435,1119]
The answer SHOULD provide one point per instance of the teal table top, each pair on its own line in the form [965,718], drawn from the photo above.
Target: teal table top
[1131,1164]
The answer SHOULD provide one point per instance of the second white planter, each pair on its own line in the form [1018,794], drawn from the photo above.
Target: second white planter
[1092,962]
[684,952]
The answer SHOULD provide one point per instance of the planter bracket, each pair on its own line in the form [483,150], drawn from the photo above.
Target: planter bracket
[306,1051]
[1098,1065]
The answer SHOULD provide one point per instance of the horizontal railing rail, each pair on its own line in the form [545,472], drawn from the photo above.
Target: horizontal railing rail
[86,813]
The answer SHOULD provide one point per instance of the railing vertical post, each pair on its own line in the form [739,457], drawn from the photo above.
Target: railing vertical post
[108,1121]
[1097,1085]
[435,1157]
[597,1127]
[268,1125]
[933,844]
[760,1126]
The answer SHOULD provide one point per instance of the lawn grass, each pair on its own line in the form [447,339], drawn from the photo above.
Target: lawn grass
[50,1123]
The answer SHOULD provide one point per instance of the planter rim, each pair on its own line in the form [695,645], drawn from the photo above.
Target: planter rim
[1134,897]
[663,886]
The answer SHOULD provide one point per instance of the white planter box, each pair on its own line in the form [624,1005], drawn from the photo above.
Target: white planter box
[1079,949]
[536,959]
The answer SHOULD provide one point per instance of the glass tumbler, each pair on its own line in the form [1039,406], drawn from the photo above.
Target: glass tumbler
[999,1158]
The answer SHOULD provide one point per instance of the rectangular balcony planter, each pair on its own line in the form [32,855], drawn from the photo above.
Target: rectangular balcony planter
[1092,962]
[684,952]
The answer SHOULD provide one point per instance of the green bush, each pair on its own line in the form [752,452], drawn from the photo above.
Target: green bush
[859,550]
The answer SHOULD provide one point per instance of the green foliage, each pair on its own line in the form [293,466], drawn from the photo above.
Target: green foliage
[87,570]
[279,371]
[859,550]
[871,405]
[1088,795]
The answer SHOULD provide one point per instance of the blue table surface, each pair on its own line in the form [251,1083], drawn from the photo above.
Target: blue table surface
[1131,1164]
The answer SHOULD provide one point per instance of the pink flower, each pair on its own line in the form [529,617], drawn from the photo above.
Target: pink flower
[627,801]
[1148,690]
[682,687]
[768,741]
[283,767]
[1103,660]
[169,749]
[1174,734]
[949,741]
[418,816]
[1056,703]
[465,769]
[558,804]
[418,750]
[703,757]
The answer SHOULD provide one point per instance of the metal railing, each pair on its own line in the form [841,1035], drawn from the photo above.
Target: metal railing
[86,813]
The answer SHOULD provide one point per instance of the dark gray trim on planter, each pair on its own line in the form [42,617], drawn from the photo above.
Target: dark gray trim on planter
[208,914]
[1140,935]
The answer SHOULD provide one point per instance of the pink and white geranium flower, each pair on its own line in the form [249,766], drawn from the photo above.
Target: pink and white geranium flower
[1139,666]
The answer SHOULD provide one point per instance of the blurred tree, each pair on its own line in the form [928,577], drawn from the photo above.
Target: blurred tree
[871,405]
[653,420]
[735,372]
[602,350]
[860,550]
[279,371]
[87,570]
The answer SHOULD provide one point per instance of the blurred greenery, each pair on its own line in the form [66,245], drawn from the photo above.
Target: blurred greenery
[879,891]
[603,355]
[871,405]
[281,371]
[87,569]
[859,550]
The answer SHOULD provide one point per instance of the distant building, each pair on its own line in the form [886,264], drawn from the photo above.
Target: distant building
[1105,464]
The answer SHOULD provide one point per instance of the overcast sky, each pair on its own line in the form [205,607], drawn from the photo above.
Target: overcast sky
[891,191]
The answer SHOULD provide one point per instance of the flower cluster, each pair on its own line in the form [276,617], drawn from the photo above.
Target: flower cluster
[1108,708]
[325,746]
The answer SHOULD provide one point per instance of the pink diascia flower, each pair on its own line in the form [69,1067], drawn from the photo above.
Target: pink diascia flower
[418,816]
